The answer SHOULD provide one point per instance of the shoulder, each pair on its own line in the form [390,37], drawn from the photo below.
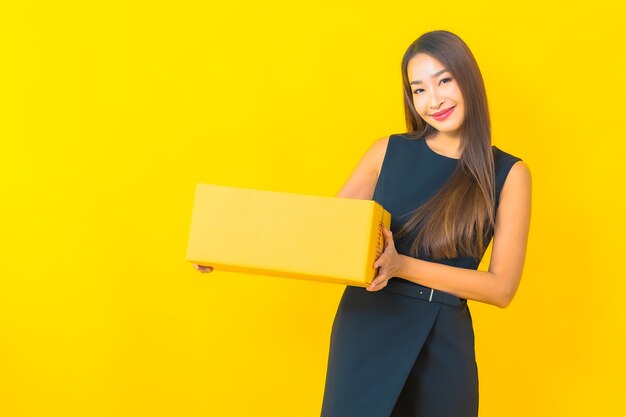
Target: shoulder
[380,144]
[512,173]
[380,147]
[519,174]
[504,162]
[502,157]
[376,153]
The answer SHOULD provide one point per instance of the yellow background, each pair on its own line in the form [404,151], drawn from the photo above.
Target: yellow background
[112,111]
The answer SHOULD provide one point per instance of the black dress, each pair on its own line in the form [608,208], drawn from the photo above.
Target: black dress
[393,354]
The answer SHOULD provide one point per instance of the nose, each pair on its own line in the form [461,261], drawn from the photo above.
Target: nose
[436,99]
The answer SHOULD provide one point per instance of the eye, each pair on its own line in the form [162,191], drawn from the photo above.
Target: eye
[442,80]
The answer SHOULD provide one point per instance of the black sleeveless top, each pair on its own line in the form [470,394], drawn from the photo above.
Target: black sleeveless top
[411,174]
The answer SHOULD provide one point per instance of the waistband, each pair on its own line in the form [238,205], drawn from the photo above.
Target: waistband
[422,292]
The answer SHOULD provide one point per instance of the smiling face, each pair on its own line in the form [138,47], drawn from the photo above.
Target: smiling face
[435,90]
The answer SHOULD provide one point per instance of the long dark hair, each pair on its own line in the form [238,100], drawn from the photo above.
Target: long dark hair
[458,220]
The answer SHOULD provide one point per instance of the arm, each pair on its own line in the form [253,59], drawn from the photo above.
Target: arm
[499,284]
[363,179]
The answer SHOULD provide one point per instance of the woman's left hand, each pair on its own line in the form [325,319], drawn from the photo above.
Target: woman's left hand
[389,262]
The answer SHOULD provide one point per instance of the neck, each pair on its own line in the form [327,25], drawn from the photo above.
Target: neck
[448,144]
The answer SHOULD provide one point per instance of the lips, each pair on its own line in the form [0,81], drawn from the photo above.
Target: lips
[442,112]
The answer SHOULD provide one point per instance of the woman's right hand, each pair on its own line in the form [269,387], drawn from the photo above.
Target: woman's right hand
[202,268]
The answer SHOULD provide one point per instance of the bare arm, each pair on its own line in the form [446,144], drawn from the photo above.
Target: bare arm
[499,284]
[364,177]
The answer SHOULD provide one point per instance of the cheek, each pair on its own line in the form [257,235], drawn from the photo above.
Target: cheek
[458,95]
[419,106]
[462,111]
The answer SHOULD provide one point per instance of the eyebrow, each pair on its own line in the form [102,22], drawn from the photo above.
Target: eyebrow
[432,76]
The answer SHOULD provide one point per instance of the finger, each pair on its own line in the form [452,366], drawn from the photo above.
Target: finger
[388,236]
[377,284]
[203,268]
[374,281]
[377,279]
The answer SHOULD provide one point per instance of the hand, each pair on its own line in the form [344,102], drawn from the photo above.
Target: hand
[389,262]
[203,269]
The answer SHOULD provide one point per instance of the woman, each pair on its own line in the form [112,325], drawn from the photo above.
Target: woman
[404,346]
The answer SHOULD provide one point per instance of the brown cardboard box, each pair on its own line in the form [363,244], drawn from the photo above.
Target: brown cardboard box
[329,239]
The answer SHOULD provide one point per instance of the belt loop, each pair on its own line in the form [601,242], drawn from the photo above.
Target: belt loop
[431,295]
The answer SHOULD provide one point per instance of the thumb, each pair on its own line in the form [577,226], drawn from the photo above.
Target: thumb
[388,236]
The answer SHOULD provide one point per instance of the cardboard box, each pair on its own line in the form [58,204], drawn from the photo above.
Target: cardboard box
[329,239]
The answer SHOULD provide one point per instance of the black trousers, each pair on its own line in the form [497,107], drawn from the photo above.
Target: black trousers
[393,355]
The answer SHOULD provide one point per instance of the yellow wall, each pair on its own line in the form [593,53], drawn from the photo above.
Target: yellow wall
[112,111]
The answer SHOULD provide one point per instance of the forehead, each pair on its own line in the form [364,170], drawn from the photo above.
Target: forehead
[422,67]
